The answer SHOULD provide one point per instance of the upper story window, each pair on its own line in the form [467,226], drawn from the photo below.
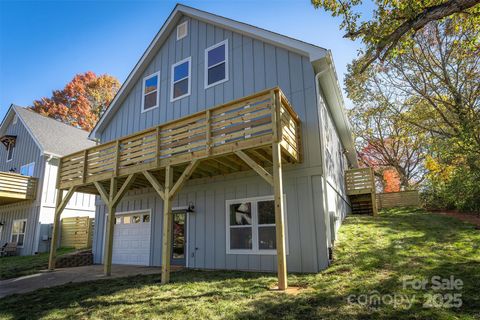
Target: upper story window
[181,74]
[151,85]
[28,169]
[216,64]
[10,149]
[182,30]
[15,119]
[251,226]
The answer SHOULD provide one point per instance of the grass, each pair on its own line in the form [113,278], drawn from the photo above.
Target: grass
[17,266]
[372,256]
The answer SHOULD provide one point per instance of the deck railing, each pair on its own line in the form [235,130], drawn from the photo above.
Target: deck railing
[14,187]
[359,181]
[251,121]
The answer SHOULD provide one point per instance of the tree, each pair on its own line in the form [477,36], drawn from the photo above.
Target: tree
[393,22]
[82,102]
[433,86]
[385,143]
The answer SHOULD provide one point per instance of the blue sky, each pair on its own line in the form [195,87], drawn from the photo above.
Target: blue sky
[43,44]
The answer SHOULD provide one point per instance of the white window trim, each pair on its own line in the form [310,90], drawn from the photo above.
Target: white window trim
[186,28]
[255,250]
[13,152]
[27,165]
[24,233]
[224,42]
[158,91]
[189,77]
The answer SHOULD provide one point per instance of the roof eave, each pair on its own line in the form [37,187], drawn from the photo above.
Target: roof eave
[333,94]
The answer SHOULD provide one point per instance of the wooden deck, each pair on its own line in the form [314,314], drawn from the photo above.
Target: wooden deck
[15,188]
[259,132]
[360,185]
[213,137]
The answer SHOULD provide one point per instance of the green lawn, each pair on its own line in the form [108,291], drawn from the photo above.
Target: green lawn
[372,256]
[17,266]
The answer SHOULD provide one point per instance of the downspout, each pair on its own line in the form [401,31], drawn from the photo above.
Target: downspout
[39,200]
[322,108]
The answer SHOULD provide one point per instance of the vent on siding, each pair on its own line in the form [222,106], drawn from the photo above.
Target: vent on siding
[182,30]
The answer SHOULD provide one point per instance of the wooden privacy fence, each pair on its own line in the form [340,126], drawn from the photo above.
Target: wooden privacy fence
[77,232]
[398,199]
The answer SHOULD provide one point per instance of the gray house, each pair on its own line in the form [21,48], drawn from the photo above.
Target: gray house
[238,134]
[31,147]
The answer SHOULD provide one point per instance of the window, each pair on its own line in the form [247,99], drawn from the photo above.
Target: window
[10,149]
[28,169]
[251,226]
[18,231]
[150,89]
[216,64]
[15,119]
[181,79]
[182,30]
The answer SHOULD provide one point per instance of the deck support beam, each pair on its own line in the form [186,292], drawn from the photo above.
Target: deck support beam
[111,199]
[108,248]
[279,216]
[61,203]
[155,184]
[255,166]
[167,226]
[169,191]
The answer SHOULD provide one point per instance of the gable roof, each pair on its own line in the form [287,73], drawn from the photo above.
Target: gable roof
[52,137]
[303,48]
[320,58]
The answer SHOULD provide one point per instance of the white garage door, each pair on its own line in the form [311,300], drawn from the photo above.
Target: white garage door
[131,239]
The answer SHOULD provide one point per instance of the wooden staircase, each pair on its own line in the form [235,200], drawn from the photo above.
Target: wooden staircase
[360,184]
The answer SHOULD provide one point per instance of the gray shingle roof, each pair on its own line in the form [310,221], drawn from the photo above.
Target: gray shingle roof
[54,136]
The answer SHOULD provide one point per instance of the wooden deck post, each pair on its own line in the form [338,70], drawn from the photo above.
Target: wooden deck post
[279,216]
[107,254]
[167,225]
[60,204]
[373,194]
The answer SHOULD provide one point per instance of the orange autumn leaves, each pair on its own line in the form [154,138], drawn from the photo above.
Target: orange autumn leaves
[81,102]
[391,180]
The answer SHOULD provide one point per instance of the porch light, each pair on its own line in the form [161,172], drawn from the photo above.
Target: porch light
[191,208]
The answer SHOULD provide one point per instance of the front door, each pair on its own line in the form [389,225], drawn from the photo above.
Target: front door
[179,232]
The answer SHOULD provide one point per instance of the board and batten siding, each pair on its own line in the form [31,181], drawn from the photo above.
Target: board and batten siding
[30,212]
[253,66]
[26,151]
[206,234]
[336,164]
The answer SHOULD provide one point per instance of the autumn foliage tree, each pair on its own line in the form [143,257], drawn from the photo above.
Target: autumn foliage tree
[81,102]
[393,149]
[389,27]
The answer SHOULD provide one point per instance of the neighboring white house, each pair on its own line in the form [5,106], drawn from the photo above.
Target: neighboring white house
[32,145]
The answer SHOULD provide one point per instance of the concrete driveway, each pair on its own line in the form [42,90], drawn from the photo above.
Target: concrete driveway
[62,276]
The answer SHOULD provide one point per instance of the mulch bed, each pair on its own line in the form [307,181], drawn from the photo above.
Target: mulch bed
[473,218]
